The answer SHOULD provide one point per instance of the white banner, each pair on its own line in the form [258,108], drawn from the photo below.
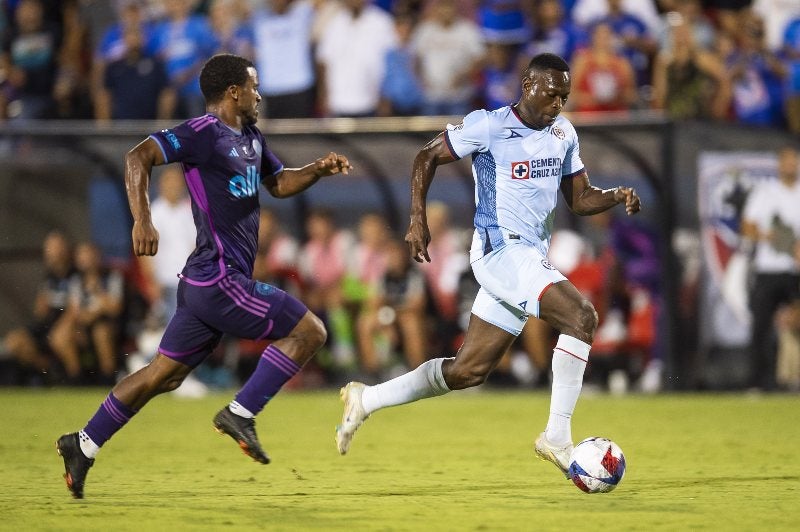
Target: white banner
[724,182]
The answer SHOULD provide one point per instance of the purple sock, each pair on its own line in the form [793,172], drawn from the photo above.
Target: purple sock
[273,371]
[109,418]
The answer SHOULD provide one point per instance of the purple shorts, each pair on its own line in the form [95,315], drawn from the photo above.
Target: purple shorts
[235,305]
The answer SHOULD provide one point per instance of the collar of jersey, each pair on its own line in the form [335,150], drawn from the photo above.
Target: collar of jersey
[523,122]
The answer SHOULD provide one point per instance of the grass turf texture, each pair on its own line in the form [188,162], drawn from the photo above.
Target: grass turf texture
[460,462]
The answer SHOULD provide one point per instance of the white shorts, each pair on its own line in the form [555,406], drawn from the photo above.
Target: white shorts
[513,279]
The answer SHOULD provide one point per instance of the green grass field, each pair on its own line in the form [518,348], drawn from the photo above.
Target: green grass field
[460,462]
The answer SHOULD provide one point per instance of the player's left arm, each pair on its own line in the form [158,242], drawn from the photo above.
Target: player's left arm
[139,163]
[291,181]
[584,199]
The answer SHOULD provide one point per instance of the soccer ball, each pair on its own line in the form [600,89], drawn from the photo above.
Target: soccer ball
[596,465]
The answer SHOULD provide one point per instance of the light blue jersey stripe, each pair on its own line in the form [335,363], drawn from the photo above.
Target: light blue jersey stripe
[486,208]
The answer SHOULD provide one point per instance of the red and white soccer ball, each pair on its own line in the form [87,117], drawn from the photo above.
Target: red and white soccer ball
[596,465]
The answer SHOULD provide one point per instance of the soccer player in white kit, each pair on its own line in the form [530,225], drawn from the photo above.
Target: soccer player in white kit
[521,156]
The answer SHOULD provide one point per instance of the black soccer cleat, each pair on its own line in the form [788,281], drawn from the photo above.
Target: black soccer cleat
[76,465]
[243,432]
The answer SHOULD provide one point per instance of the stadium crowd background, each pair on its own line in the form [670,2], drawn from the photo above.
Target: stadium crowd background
[722,61]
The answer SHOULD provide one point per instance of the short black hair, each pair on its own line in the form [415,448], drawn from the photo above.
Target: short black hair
[220,72]
[547,61]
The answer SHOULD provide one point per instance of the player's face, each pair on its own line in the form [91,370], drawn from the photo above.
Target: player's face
[544,94]
[249,98]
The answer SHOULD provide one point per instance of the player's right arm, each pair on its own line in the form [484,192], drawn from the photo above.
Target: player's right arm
[433,154]
[139,163]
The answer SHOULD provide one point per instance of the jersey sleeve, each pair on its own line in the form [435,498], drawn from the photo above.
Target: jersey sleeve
[572,165]
[270,164]
[470,136]
[185,144]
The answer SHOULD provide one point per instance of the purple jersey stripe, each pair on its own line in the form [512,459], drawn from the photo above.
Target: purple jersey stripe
[278,356]
[201,122]
[197,119]
[204,123]
[270,325]
[195,185]
[263,305]
[242,304]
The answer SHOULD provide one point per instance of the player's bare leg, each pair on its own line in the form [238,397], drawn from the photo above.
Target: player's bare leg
[78,449]
[564,308]
[482,350]
[279,363]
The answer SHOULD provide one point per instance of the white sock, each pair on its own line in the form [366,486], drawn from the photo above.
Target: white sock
[425,381]
[88,447]
[569,362]
[239,410]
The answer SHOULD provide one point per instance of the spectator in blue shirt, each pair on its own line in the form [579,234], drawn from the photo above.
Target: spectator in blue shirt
[757,77]
[230,33]
[401,92]
[791,54]
[137,84]
[112,47]
[182,42]
[553,33]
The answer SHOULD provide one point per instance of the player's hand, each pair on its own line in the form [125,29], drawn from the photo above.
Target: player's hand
[332,164]
[418,237]
[630,198]
[145,238]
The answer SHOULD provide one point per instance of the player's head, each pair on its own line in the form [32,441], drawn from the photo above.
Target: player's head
[545,88]
[232,78]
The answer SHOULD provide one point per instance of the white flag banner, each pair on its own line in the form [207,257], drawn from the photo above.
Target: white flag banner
[724,182]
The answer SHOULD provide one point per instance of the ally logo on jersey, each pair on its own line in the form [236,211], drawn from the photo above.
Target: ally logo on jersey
[242,186]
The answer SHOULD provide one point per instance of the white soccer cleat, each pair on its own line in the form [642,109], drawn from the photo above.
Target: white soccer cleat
[553,453]
[354,415]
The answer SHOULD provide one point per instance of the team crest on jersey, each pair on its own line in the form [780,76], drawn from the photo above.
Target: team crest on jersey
[558,132]
[547,265]
[521,170]
[264,289]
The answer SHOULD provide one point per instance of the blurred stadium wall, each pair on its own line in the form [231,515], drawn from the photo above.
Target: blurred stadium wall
[68,176]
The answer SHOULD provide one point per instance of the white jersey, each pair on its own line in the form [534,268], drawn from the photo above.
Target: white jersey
[517,171]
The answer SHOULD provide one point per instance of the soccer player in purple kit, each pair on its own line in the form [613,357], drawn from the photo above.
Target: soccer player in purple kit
[224,158]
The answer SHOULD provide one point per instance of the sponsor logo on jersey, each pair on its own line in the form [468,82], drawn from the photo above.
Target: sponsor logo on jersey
[233,152]
[547,265]
[520,170]
[513,134]
[172,139]
[558,133]
[536,169]
[244,186]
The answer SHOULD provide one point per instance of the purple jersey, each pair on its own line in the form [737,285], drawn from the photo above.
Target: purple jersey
[223,170]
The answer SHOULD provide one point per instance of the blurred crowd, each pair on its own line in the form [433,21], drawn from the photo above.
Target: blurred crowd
[725,60]
[93,321]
